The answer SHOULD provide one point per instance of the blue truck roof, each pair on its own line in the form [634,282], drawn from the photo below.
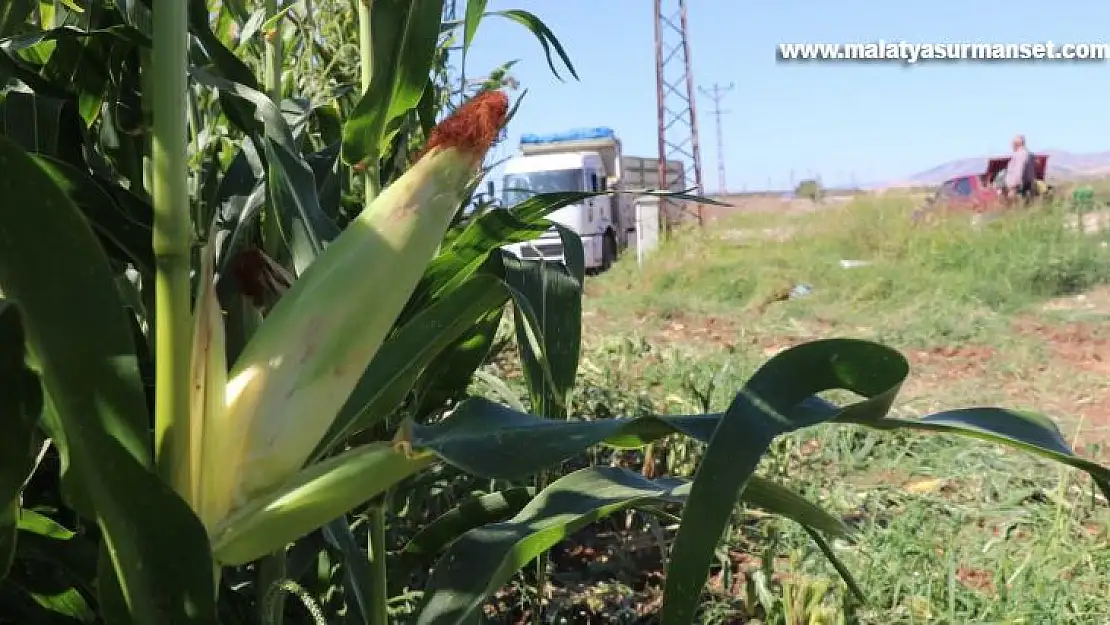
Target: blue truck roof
[575,134]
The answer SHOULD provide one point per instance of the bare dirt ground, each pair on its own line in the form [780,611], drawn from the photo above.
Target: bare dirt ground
[1070,383]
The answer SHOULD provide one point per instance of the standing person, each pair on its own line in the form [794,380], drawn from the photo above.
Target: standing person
[1020,173]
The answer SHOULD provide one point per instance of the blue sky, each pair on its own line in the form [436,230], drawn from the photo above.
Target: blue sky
[863,121]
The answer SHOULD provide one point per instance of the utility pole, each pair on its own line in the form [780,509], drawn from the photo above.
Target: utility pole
[718,94]
[674,93]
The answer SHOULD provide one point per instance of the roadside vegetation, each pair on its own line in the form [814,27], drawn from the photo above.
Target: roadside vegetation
[256,370]
[1013,313]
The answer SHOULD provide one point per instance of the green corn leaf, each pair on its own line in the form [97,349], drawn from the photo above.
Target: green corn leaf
[780,398]
[548,297]
[300,219]
[468,251]
[30,40]
[312,498]
[482,438]
[404,35]
[252,26]
[1028,431]
[301,227]
[484,558]
[475,11]
[760,413]
[61,580]
[225,64]
[136,14]
[399,362]
[43,124]
[13,14]
[357,576]
[77,331]
[270,120]
[20,407]
[469,248]
[123,229]
[448,376]
[469,514]
[85,62]
[544,35]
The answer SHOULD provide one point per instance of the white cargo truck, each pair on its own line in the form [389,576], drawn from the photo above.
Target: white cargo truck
[588,159]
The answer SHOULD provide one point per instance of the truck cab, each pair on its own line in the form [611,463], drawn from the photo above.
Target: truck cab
[579,160]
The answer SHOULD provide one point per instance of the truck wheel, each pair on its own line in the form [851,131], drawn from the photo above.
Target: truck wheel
[608,252]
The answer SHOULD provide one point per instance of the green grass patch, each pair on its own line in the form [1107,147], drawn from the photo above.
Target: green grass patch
[948,280]
[951,531]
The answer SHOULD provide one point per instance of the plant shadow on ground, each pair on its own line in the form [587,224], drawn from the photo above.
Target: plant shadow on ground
[950,531]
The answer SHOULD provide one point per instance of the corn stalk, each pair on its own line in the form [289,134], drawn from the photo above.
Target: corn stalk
[362,320]
[172,237]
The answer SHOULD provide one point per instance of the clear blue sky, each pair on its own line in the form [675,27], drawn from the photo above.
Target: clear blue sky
[874,121]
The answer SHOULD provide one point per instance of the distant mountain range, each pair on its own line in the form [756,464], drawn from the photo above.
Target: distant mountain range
[1062,165]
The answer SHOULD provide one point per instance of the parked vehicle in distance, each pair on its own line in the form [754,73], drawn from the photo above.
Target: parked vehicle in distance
[585,159]
[982,193]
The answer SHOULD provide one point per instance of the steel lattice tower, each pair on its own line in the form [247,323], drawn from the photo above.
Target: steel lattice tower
[451,14]
[674,90]
[717,94]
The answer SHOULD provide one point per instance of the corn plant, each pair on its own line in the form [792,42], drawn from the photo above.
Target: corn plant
[239,315]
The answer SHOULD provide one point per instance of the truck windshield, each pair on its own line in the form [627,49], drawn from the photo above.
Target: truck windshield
[519,187]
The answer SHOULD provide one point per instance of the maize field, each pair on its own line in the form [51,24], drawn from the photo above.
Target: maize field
[241,319]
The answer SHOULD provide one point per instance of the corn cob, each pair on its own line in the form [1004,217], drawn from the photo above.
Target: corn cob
[297,371]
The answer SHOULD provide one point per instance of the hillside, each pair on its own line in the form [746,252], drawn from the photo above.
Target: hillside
[1062,165]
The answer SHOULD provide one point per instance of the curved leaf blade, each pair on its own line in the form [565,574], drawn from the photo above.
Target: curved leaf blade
[548,306]
[484,438]
[404,35]
[20,407]
[775,498]
[543,34]
[446,379]
[470,249]
[760,413]
[483,559]
[1026,431]
[51,265]
[312,498]
[398,364]
[780,397]
[126,228]
[475,11]
[302,222]
[265,115]
[469,514]
[478,434]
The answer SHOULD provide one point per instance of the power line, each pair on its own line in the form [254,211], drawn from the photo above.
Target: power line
[717,95]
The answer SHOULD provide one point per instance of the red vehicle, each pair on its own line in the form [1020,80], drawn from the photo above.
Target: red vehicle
[983,192]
